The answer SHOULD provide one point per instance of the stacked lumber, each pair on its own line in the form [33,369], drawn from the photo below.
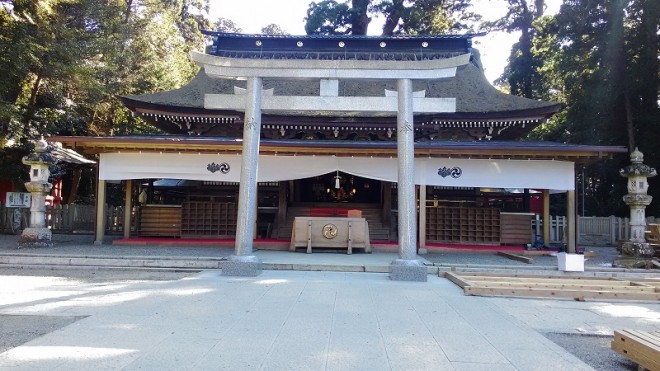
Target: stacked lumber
[653,238]
[641,347]
[578,288]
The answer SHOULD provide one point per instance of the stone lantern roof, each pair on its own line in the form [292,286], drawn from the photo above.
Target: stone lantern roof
[637,168]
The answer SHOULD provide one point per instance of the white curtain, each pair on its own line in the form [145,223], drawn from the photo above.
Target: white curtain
[541,174]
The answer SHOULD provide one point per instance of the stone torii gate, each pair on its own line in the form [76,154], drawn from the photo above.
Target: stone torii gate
[254,101]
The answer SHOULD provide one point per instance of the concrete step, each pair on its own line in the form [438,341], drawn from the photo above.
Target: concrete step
[169,264]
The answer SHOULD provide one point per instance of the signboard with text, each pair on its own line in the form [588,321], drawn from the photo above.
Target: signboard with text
[18,199]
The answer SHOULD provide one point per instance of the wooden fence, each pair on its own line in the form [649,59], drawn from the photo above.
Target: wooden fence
[80,219]
[66,219]
[592,230]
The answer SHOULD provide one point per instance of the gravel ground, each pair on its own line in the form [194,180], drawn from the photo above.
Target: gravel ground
[17,330]
[593,350]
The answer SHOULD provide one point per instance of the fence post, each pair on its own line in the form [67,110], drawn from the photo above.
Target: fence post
[68,212]
[537,225]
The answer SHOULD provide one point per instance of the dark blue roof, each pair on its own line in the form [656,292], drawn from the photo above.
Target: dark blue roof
[348,47]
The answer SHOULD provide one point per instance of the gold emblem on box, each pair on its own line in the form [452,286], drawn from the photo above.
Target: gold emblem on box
[329,231]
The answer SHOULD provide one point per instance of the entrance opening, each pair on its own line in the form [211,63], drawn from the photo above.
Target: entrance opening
[338,187]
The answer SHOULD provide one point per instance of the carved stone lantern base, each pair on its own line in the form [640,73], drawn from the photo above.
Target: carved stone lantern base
[35,237]
[635,255]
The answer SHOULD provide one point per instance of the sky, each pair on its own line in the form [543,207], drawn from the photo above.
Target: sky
[252,15]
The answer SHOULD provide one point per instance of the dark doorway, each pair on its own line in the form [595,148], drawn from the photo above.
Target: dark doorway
[339,187]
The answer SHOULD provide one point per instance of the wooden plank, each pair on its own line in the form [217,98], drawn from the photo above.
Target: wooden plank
[534,276]
[639,347]
[575,287]
[555,293]
[563,286]
[455,278]
[558,279]
[519,258]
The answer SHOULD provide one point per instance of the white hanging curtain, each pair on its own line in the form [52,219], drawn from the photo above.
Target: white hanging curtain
[541,174]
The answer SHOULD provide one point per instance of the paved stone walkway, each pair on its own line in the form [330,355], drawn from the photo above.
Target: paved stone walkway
[292,320]
[287,320]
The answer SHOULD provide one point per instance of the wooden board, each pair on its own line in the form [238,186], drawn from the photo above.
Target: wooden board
[519,258]
[160,221]
[516,229]
[579,288]
[641,347]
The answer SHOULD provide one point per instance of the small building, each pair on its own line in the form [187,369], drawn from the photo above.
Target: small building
[405,129]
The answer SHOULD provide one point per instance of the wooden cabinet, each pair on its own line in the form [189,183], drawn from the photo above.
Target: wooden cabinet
[208,219]
[516,228]
[160,221]
[463,225]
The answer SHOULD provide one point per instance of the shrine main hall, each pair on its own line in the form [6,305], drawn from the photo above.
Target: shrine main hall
[400,133]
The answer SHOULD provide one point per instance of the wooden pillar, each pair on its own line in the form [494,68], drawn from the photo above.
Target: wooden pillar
[387,203]
[422,216]
[546,217]
[128,206]
[150,192]
[256,212]
[281,203]
[526,200]
[571,230]
[100,212]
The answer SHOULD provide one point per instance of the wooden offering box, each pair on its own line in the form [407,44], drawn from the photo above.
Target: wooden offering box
[330,233]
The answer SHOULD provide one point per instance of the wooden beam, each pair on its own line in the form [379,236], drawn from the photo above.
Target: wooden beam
[579,288]
[519,258]
[100,212]
[546,217]
[571,224]
[642,347]
[455,278]
[128,207]
[559,293]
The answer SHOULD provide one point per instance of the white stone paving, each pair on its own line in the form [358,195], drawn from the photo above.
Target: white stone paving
[293,320]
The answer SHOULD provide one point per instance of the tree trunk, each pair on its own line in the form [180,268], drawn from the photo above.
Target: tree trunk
[34,91]
[359,19]
[75,182]
[392,18]
[539,5]
[649,55]
[630,127]
[618,89]
[127,14]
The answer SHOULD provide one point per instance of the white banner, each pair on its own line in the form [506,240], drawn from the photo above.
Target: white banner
[540,174]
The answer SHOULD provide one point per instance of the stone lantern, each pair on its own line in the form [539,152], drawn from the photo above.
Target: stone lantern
[636,252]
[38,234]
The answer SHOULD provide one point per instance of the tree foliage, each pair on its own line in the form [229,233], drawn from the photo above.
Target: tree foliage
[332,17]
[65,62]
[521,74]
[600,59]
[226,25]
[273,29]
